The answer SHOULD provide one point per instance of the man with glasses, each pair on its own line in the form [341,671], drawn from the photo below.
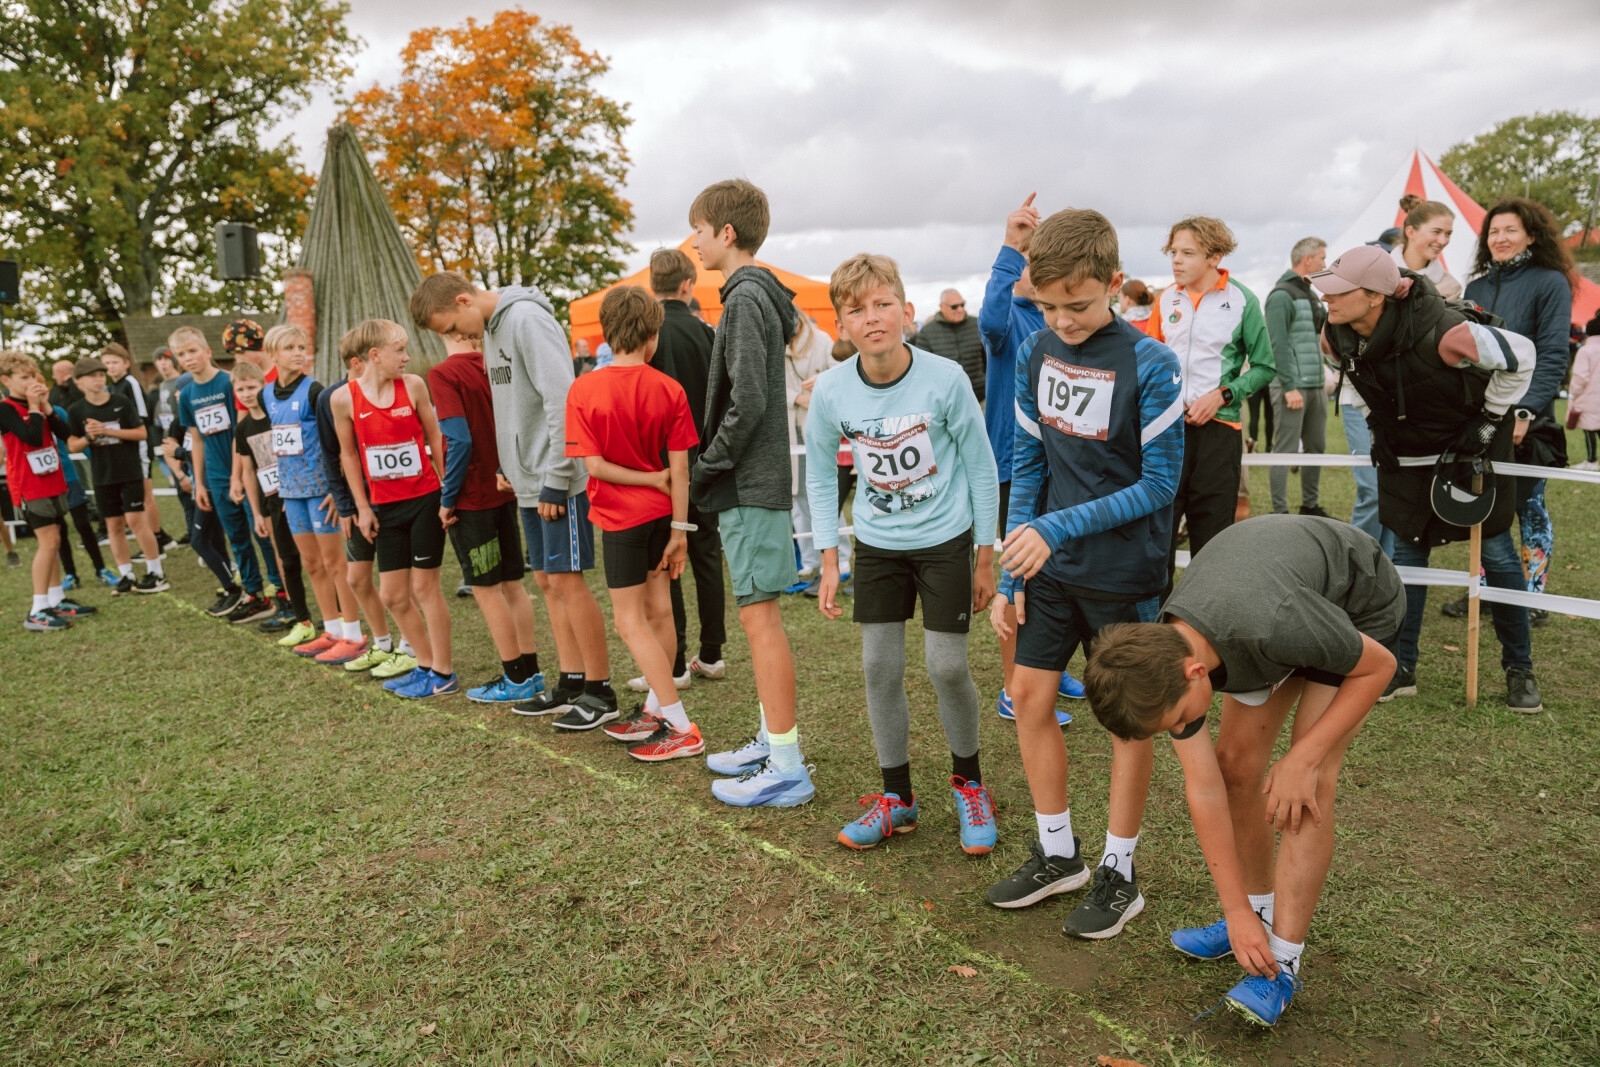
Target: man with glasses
[953,334]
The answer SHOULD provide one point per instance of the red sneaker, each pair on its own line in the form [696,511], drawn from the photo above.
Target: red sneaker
[317,645]
[638,727]
[666,743]
[343,651]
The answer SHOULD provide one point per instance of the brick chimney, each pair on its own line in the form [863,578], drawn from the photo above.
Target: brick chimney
[300,303]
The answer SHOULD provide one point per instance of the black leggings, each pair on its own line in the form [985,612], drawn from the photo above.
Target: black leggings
[289,564]
[91,542]
[1260,404]
[1590,439]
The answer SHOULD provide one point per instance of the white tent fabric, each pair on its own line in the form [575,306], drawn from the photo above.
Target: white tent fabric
[1420,175]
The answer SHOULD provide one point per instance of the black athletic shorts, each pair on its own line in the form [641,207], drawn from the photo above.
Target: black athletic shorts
[409,534]
[1060,621]
[633,553]
[45,511]
[357,549]
[888,582]
[118,498]
[488,545]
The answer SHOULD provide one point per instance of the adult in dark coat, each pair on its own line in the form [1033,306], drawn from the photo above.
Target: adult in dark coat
[954,334]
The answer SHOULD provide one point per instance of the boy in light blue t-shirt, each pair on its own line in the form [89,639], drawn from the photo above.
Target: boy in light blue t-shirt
[926,494]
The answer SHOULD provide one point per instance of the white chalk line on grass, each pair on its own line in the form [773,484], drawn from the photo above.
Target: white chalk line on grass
[907,914]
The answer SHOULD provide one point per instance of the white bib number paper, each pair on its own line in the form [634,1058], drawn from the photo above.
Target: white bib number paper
[286,440]
[45,461]
[900,461]
[1075,400]
[403,460]
[211,419]
[268,477]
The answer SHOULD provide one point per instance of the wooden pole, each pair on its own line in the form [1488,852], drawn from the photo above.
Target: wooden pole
[1474,566]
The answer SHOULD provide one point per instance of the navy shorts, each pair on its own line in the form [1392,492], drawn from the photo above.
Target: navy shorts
[565,546]
[1061,621]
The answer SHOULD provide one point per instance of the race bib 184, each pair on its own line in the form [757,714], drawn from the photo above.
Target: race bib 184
[44,461]
[403,460]
[212,419]
[286,440]
[1075,400]
[900,461]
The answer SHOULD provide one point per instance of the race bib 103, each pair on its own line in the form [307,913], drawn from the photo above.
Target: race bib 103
[268,477]
[1075,400]
[403,460]
[900,461]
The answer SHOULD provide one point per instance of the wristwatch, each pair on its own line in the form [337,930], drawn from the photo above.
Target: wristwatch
[1524,415]
[1227,395]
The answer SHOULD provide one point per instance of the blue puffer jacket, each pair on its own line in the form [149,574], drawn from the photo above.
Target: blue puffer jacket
[1537,303]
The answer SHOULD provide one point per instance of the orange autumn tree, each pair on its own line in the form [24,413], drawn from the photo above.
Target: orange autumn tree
[500,157]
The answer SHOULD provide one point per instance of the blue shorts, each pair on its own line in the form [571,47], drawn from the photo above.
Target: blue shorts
[307,515]
[565,546]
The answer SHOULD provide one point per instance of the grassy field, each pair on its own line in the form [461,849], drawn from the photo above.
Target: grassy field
[213,852]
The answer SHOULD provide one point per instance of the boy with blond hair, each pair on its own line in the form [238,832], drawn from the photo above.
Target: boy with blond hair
[742,476]
[620,420]
[927,493]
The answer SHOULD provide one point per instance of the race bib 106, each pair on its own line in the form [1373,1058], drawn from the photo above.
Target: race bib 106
[212,419]
[403,460]
[268,477]
[1075,400]
[44,461]
[286,440]
[900,461]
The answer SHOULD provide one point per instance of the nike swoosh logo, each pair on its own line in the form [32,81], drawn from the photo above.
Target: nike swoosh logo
[1055,829]
[1177,379]
[364,414]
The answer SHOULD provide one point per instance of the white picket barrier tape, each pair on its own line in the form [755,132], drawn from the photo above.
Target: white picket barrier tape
[1331,459]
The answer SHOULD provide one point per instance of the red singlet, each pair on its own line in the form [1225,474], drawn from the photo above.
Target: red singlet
[393,451]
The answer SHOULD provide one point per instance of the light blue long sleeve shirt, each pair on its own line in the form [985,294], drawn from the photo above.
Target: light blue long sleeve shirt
[924,471]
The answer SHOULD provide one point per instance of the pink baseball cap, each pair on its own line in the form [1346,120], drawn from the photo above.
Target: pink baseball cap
[1368,267]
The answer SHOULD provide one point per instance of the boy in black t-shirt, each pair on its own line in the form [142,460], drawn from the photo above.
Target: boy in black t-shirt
[109,426]
[256,476]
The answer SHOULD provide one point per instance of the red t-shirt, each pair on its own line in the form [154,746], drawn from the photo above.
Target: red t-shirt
[629,416]
[460,390]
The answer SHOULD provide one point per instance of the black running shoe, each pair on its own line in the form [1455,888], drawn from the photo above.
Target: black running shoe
[71,609]
[1454,609]
[1316,511]
[281,623]
[550,702]
[1522,692]
[123,587]
[151,583]
[1538,617]
[226,601]
[251,609]
[1039,876]
[1111,902]
[1403,684]
[587,712]
[463,591]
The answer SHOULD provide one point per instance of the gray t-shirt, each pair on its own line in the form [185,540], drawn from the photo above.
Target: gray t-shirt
[1282,592]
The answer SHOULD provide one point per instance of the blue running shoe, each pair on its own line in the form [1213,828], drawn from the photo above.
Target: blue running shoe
[1004,707]
[441,685]
[419,684]
[763,786]
[886,816]
[504,691]
[975,812]
[69,582]
[1071,688]
[1263,1000]
[400,681]
[1204,942]
[747,757]
[109,576]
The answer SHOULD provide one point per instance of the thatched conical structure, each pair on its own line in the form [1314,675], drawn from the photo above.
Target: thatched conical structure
[361,265]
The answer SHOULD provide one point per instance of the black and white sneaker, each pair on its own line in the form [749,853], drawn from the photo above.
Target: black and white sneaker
[251,609]
[1111,902]
[1403,684]
[151,583]
[123,587]
[1522,692]
[1039,876]
[587,712]
[226,601]
[550,702]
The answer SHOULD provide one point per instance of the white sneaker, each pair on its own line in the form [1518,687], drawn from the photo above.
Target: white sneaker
[639,685]
[747,757]
[763,786]
[1586,465]
[712,671]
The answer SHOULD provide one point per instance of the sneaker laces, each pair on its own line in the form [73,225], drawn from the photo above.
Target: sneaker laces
[979,804]
[757,769]
[882,808]
[1100,889]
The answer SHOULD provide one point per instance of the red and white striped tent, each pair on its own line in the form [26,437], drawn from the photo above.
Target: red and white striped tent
[1421,175]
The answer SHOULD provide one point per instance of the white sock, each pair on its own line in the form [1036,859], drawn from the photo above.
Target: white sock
[785,758]
[652,704]
[41,601]
[153,566]
[55,595]
[334,628]
[1262,906]
[406,649]
[1287,953]
[125,569]
[385,642]
[352,630]
[1055,834]
[676,717]
[761,731]
[1119,854]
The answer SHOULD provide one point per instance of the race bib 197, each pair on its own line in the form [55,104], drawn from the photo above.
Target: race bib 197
[1075,400]
[286,440]
[403,460]
[44,461]
[902,460]
[212,419]
[268,477]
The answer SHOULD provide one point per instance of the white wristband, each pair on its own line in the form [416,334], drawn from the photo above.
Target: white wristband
[686,527]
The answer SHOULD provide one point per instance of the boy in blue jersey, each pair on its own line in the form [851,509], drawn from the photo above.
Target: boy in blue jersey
[1094,469]
[927,491]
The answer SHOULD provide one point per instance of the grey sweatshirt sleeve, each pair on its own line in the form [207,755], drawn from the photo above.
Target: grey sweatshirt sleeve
[547,366]
[745,354]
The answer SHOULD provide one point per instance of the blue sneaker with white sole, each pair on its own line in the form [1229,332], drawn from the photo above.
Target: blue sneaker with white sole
[109,576]
[747,757]
[975,813]
[1204,942]
[1263,1000]
[764,787]
[425,683]
[1006,713]
[69,582]
[504,691]
[886,816]
[400,681]
[1071,688]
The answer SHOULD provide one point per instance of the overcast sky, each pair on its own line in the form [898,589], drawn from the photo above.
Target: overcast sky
[912,129]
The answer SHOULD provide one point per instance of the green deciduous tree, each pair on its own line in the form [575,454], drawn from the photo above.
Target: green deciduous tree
[500,157]
[129,128]
[1552,157]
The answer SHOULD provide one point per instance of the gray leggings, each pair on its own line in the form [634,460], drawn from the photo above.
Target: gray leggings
[883,656]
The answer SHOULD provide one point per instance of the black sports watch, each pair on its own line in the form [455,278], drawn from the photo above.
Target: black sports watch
[1227,394]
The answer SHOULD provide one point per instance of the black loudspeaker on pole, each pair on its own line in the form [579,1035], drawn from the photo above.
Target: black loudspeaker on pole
[237,256]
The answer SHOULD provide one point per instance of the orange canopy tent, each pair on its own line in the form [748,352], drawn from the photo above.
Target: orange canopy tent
[810,295]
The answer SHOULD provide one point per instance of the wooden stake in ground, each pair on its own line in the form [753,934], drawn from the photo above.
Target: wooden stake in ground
[1474,567]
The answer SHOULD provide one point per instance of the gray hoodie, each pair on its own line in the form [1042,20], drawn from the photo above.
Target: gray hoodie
[745,458]
[529,365]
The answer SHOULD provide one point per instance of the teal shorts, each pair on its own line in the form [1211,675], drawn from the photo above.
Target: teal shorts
[759,546]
